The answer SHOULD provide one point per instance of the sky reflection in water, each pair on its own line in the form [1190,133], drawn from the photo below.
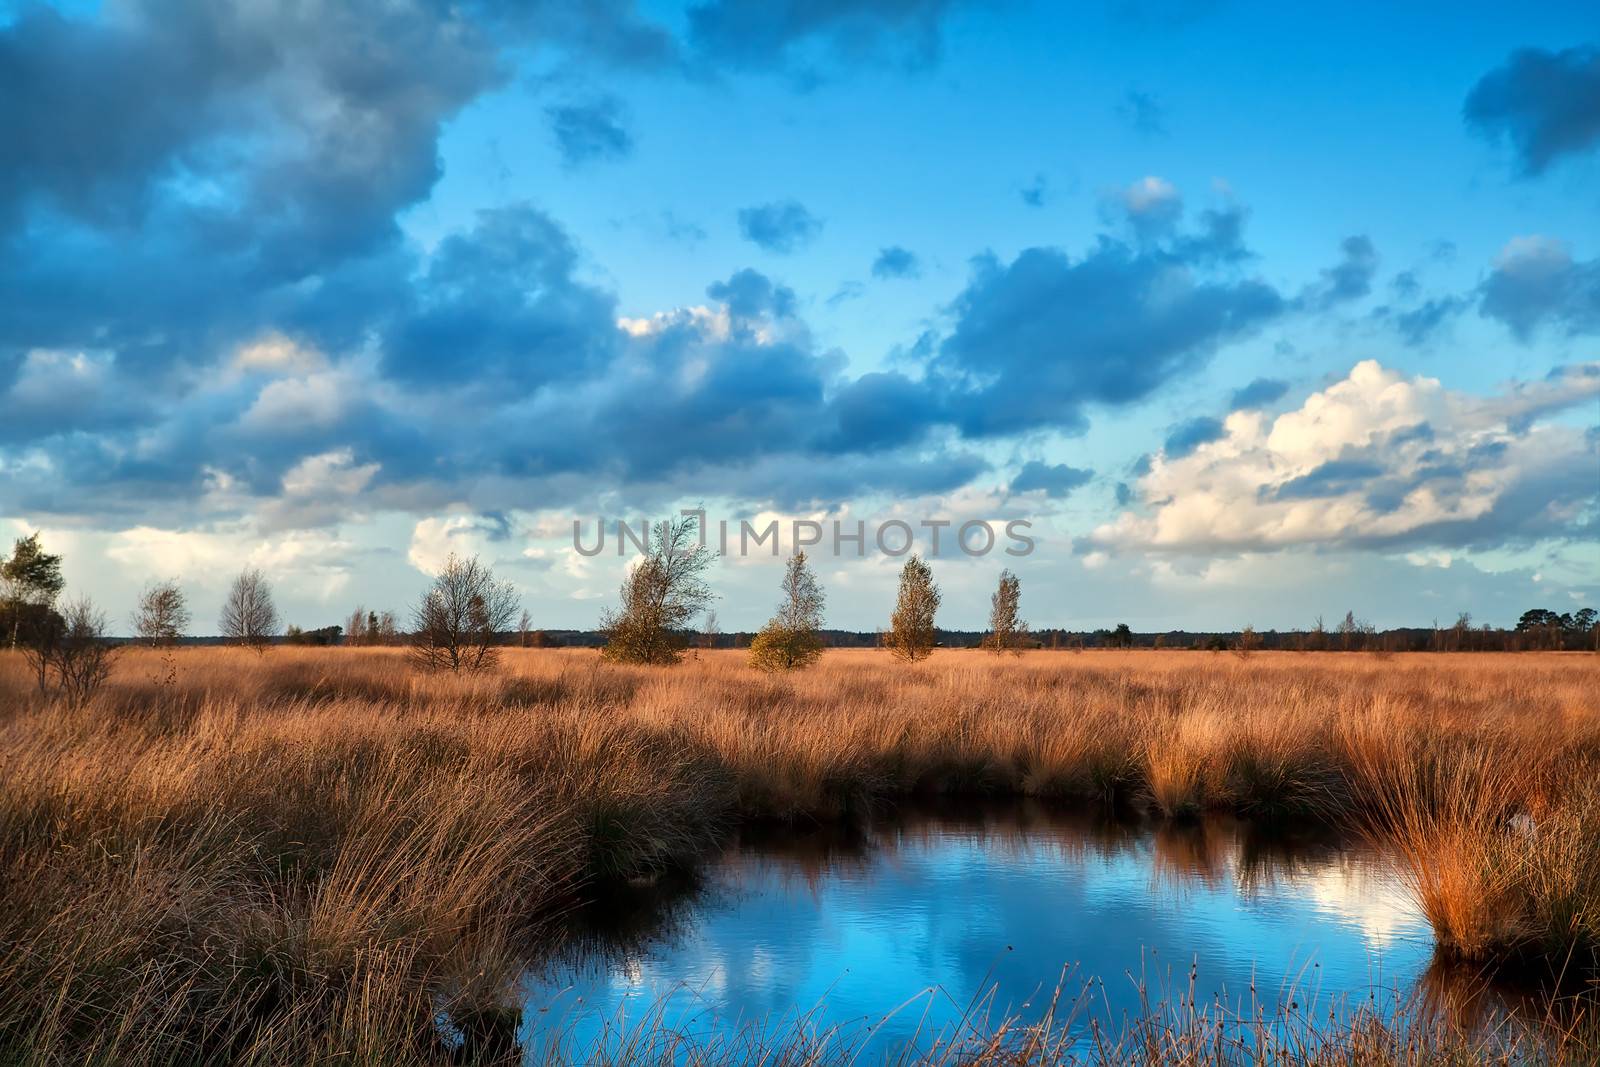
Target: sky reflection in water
[934,913]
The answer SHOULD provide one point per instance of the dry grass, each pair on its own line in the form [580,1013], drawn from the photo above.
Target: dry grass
[319,856]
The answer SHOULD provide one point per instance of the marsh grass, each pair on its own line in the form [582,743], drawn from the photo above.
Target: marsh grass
[316,855]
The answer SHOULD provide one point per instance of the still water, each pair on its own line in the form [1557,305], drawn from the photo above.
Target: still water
[890,935]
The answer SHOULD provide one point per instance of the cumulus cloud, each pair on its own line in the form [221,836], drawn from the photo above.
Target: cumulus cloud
[1379,458]
[1038,339]
[896,262]
[500,306]
[589,132]
[780,227]
[1546,104]
[1535,281]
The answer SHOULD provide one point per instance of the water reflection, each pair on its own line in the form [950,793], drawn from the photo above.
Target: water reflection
[897,931]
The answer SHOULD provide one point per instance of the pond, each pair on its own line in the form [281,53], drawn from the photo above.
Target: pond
[888,936]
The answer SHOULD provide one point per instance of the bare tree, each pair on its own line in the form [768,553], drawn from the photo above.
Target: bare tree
[162,615]
[661,595]
[911,633]
[71,657]
[524,628]
[709,629]
[1007,631]
[1248,642]
[1317,639]
[456,625]
[355,631]
[793,638]
[248,615]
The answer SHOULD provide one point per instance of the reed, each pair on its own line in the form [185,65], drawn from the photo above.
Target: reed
[316,855]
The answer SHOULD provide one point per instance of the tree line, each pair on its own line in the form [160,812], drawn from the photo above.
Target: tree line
[462,620]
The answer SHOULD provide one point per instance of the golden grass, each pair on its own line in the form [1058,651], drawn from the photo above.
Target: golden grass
[317,855]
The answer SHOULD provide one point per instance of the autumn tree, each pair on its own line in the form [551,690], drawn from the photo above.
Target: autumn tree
[793,638]
[30,581]
[162,614]
[1007,631]
[249,617]
[660,596]
[457,623]
[911,633]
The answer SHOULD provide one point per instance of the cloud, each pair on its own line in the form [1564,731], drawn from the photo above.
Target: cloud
[590,132]
[1190,434]
[1036,192]
[1417,325]
[1152,207]
[1258,394]
[765,34]
[1143,112]
[749,295]
[896,262]
[1350,279]
[1546,104]
[500,307]
[1535,282]
[1054,480]
[1378,459]
[780,227]
[1038,339]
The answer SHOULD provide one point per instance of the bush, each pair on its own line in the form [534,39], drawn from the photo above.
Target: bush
[779,648]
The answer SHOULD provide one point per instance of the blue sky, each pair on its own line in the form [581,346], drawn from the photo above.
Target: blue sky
[1255,313]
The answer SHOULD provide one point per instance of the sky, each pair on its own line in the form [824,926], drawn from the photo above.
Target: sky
[1250,313]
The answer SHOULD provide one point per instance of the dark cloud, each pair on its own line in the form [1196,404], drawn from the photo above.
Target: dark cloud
[1333,478]
[1417,325]
[780,227]
[766,34]
[749,294]
[498,307]
[1143,112]
[1546,104]
[340,105]
[1536,282]
[1258,394]
[1037,339]
[896,262]
[590,132]
[1054,480]
[1037,192]
[1186,436]
[1350,279]
[879,411]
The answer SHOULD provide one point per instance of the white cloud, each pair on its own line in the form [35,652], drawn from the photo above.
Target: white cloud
[293,403]
[276,354]
[328,473]
[1379,457]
